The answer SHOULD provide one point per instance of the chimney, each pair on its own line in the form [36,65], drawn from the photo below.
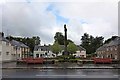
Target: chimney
[1,34]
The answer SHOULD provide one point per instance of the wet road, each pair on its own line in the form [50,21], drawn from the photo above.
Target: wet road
[85,74]
[60,73]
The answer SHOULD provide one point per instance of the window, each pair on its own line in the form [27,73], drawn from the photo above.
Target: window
[111,56]
[15,48]
[0,53]
[116,56]
[111,48]
[19,55]
[40,55]
[37,55]
[115,48]
[41,49]
[18,48]
[7,53]
[7,43]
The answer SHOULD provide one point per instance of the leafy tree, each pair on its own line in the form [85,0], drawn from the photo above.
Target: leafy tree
[72,48]
[110,39]
[59,37]
[91,43]
[37,40]
[55,48]
[86,42]
[31,42]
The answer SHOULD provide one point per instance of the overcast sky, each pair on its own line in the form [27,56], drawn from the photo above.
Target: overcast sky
[44,19]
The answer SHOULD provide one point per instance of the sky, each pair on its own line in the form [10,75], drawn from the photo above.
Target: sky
[43,18]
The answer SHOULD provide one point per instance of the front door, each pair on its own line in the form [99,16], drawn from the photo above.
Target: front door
[37,55]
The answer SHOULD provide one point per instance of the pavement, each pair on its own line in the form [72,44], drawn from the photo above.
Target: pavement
[13,65]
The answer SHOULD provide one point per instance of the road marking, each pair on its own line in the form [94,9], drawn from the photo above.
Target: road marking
[45,70]
[115,75]
[61,75]
[5,75]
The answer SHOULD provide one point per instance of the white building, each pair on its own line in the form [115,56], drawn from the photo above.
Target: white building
[43,51]
[81,52]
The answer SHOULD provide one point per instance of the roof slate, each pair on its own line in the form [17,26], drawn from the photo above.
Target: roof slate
[17,43]
[114,42]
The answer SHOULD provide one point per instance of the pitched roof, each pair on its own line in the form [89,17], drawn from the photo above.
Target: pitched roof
[44,48]
[102,47]
[18,44]
[13,42]
[4,39]
[81,48]
[114,42]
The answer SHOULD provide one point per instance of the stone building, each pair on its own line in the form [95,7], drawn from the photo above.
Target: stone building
[110,50]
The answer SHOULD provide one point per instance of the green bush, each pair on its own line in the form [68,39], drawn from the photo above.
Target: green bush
[73,60]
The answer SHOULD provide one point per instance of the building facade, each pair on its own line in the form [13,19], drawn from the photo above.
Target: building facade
[5,50]
[110,50]
[81,52]
[19,50]
[45,51]
[11,50]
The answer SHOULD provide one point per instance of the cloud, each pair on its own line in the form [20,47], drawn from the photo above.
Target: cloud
[44,19]
[95,18]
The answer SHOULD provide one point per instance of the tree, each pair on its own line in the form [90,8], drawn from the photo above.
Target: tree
[55,48]
[86,42]
[59,38]
[72,48]
[110,39]
[91,43]
[31,42]
[37,40]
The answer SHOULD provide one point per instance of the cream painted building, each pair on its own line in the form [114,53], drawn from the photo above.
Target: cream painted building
[5,50]
[19,50]
[12,50]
